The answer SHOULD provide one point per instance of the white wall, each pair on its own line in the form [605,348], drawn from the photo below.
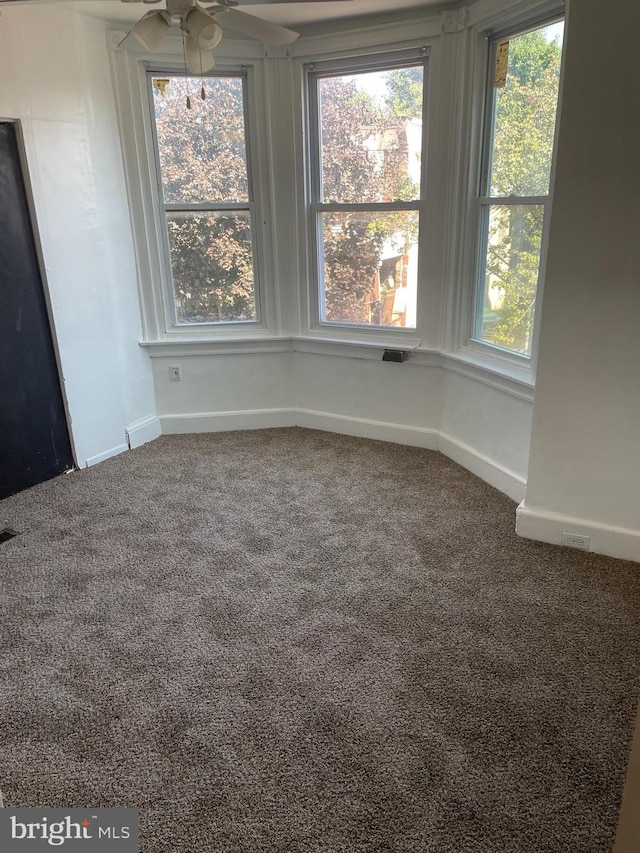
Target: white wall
[370,391]
[487,430]
[221,392]
[584,470]
[55,78]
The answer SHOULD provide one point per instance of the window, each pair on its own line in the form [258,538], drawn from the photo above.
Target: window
[367,180]
[514,193]
[206,192]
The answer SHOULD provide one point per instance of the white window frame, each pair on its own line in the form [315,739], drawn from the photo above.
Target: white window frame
[184,207]
[389,59]
[137,122]
[470,348]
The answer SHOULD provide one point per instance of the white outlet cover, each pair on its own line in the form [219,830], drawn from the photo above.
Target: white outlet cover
[577,540]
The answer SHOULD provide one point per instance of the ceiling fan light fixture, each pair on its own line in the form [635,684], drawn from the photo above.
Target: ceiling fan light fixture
[205,31]
[198,61]
[151,29]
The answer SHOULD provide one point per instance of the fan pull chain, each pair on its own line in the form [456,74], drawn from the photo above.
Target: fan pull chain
[186,75]
[203,94]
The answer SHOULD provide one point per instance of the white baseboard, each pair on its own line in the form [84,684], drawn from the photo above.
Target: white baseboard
[546,526]
[100,457]
[143,430]
[226,421]
[501,478]
[364,428]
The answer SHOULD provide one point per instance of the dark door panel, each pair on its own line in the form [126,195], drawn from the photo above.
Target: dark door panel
[34,437]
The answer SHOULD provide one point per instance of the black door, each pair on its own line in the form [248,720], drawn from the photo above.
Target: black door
[34,438]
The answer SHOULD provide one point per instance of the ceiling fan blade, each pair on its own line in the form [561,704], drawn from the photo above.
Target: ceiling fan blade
[257,28]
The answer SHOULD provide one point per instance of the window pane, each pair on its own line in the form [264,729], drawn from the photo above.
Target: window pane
[511,276]
[371,135]
[370,267]
[525,114]
[202,150]
[212,264]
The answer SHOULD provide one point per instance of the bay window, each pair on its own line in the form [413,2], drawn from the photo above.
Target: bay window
[292,200]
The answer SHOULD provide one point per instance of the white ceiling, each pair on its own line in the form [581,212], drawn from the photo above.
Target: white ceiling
[289,14]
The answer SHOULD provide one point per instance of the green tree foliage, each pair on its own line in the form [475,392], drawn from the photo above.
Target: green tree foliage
[350,173]
[212,266]
[405,88]
[363,161]
[349,118]
[203,159]
[522,150]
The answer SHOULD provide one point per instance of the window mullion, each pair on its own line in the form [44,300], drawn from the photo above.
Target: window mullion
[205,205]
[330,207]
[513,199]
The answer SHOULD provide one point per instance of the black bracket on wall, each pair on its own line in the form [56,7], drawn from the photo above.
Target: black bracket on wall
[397,355]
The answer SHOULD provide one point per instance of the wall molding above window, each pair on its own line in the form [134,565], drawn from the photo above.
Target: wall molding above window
[498,14]
[362,36]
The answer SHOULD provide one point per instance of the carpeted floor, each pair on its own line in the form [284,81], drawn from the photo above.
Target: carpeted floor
[295,641]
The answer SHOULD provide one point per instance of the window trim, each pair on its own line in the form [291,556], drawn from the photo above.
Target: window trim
[478,351]
[395,57]
[168,291]
[458,341]
[129,74]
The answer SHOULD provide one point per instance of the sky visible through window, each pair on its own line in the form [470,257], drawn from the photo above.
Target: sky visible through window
[555,31]
[374,83]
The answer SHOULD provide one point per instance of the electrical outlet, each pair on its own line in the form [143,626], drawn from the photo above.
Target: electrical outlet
[175,374]
[576,540]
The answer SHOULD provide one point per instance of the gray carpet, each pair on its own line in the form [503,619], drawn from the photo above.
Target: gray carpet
[294,641]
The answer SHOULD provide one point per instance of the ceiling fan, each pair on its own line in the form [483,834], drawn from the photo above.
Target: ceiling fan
[202,23]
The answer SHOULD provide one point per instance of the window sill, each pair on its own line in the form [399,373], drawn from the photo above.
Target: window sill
[492,369]
[187,346]
[371,349]
[355,347]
